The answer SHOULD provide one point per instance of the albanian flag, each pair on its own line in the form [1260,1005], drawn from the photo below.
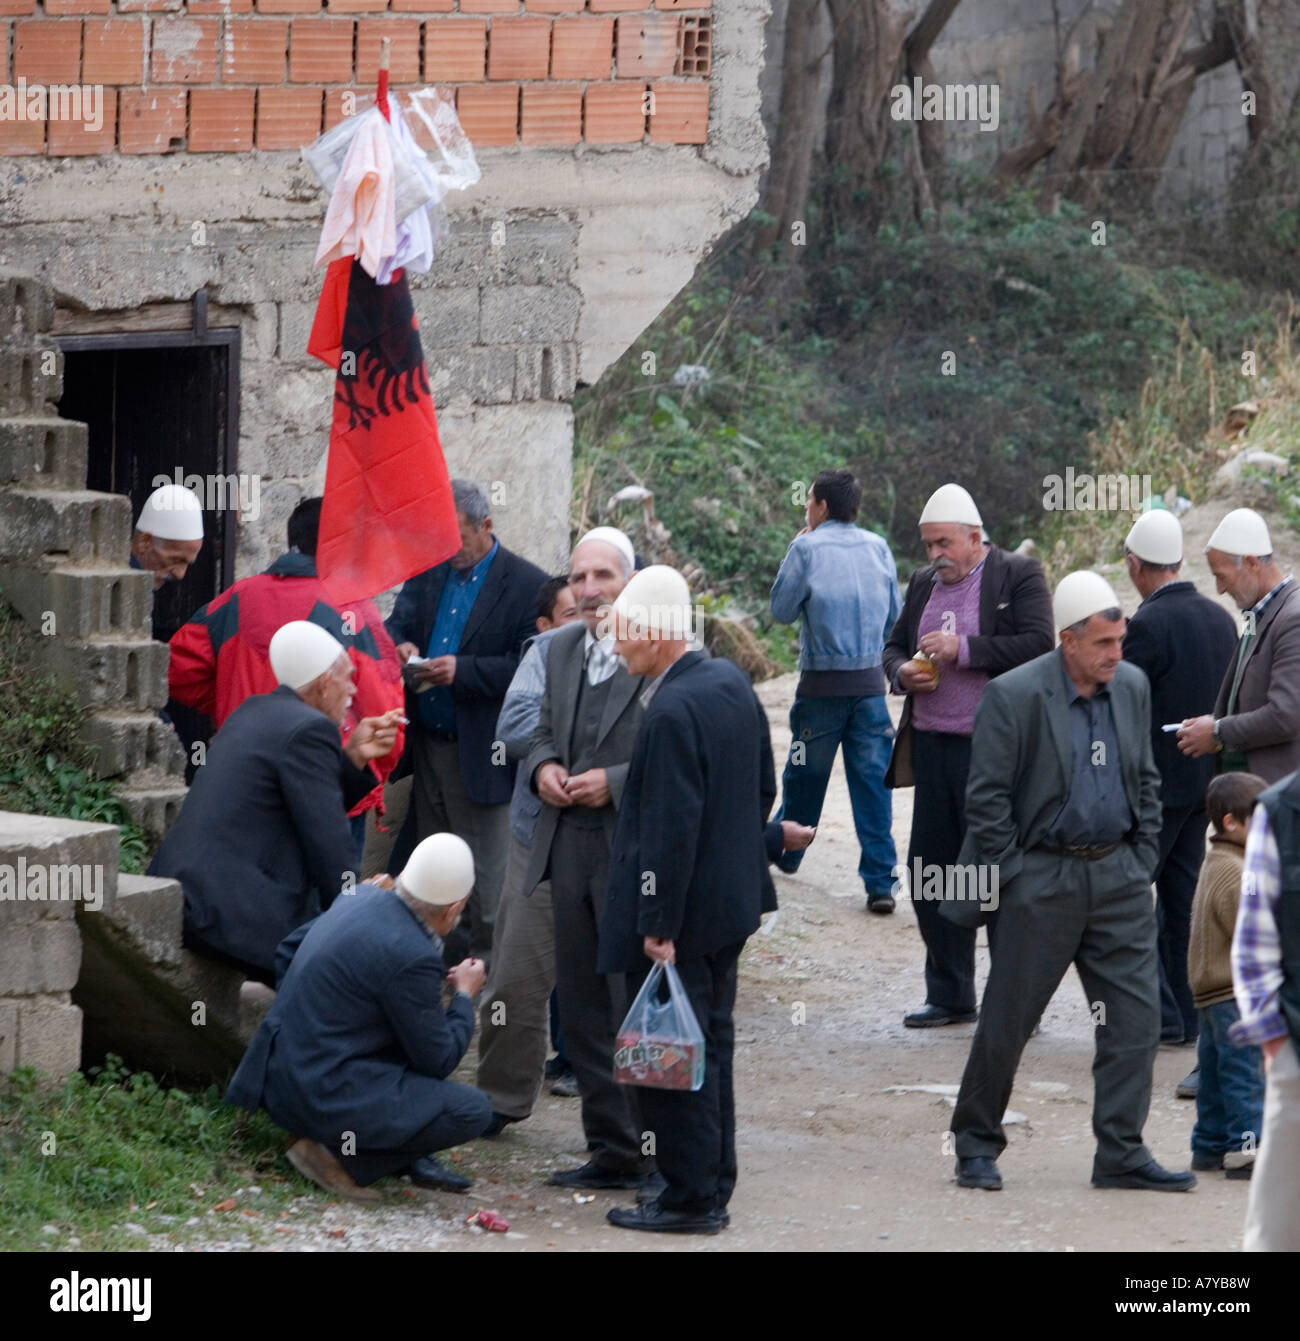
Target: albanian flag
[388,512]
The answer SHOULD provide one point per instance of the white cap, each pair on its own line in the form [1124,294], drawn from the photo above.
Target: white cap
[611,535]
[1081,595]
[1243,531]
[655,603]
[440,870]
[1156,537]
[300,651]
[172,512]
[951,503]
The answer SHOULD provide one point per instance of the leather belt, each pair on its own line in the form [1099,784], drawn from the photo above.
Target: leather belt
[1084,851]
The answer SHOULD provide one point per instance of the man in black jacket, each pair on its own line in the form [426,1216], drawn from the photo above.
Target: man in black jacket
[1184,642]
[262,843]
[976,611]
[458,629]
[688,880]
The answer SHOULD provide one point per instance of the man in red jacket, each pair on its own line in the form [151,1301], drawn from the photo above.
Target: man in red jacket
[220,657]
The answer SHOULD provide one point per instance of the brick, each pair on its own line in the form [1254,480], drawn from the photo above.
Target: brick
[551,115]
[582,48]
[19,7]
[647,46]
[47,53]
[489,113]
[320,51]
[288,6]
[77,137]
[404,61]
[610,6]
[554,6]
[22,137]
[422,6]
[489,6]
[185,51]
[113,52]
[361,98]
[254,51]
[288,118]
[355,6]
[678,4]
[157,6]
[615,113]
[153,121]
[679,113]
[54,8]
[221,120]
[519,48]
[216,6]
[455,50]
[530,312]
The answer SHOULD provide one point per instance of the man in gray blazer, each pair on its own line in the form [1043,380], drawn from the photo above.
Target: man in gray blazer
[578,765]
[1063,826]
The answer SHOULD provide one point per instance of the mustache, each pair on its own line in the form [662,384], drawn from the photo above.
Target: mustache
[944,563]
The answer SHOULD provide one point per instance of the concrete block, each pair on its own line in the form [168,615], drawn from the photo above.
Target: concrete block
[64,521]
[43,956]
[546,372]
[150,910]
[134,742]
[153,808]
[49,1038]
[126,674]
[47,453]
[294,329]
[447,317]
[37,853]
[29,381]
[530,312]
[481,375]
[26,307]
[8,1036]
[82,601]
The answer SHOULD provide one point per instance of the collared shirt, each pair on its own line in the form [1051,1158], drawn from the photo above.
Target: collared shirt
[1256,943]
[459,592]
[1097,809]
[600,658]
[653,687]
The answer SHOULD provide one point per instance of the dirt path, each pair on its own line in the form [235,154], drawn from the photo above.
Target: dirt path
[830,1158]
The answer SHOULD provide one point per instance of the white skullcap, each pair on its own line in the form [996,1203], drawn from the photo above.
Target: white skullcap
[611,535]
[1081,595]
[655,603]
[1156,537]
[300,651]
[172,512]
[951,503]
[1243,531]
[440,870]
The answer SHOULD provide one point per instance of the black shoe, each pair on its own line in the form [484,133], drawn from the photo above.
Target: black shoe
[565,1084]
[1150,1177]
[930,1017]
[1207,1163]
[499,1123]
[593,1175]
[430,1171]
[653,1186]
[880,903]
[654,1217]
[1189,1084]
[1240,1173]
[979,1171]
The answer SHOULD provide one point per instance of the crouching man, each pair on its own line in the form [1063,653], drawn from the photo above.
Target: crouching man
[354,1056]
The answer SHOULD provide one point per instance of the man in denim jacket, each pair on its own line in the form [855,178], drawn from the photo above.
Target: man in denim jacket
[843,582]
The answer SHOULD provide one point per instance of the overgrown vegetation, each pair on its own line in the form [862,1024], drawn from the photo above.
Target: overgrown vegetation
[45,769]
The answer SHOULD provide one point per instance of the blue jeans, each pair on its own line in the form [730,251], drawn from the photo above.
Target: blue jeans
[1230,1092]
[818,727]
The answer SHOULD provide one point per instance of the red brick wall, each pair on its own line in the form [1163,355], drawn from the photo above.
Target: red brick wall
[213,76]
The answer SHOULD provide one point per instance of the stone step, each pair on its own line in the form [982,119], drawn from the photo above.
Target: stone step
[37,522]
[31,375]
[58,599]
[153,808]
[26,306]
[59,857]
[119,674]
[46,453]
[131,744]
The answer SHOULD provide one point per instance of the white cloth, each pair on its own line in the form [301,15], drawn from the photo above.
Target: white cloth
[1273,1212]
[414,249]
[362,216]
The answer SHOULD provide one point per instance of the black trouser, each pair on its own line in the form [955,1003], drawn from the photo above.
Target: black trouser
[941,763]
[1182,849]
[465,1115]
[592,1005]
[695,1133]
[252,972]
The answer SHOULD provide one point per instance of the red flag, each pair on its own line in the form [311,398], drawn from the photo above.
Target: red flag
[388,511]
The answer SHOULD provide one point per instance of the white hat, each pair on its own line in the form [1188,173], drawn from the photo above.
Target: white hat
[1081,595]
[1243,531]
[951,503]
[611,535]
[1156,537]
[300,651]
[172,512]
[440,870]
[655,603]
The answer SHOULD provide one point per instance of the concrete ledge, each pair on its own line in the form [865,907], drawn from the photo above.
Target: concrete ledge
[43,452]
[37,852]
[64,521]
[82,601]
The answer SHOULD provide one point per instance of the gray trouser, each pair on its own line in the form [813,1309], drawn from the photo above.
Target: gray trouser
[1098,916]
[442,806]
[514,1022]
[1273,1214]
[381,834]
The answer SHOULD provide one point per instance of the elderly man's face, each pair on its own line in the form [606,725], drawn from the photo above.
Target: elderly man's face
[638,651]
[475,541]
[335,689]
[952,548]
[1243,583]
[1093,656]
[167,560]
[596,576]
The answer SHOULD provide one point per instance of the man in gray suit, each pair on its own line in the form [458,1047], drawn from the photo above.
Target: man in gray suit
[578,764]
[1063,810]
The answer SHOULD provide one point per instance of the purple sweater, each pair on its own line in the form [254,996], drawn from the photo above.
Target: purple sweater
[952,609]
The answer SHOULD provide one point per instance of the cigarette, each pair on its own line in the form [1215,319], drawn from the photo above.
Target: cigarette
[1172,726]
[403,721]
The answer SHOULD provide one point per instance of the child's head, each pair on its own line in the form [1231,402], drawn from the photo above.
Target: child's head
[1229,801]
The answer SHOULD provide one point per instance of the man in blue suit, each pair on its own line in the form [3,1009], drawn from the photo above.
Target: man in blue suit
[354,1056]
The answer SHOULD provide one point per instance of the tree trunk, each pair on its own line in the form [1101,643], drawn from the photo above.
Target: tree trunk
[929,134]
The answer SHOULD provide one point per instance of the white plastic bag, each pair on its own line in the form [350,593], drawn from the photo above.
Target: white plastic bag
[660,1044]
